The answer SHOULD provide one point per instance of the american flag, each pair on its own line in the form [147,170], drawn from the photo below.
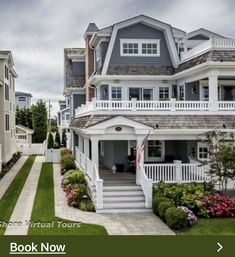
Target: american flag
[140,149]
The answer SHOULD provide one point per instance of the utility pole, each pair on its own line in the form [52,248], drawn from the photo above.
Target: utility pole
[49,112]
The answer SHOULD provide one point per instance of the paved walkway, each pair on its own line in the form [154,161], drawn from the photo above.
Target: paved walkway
[8,178]
[23,209]
[115,223]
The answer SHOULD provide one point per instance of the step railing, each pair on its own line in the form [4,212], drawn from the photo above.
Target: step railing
[147,187]
[91,170]
[177,173]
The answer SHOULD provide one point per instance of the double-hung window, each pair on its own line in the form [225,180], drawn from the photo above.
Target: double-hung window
[7,122]
[181,93]
[21,98]
[203,152]
[155,150]
[164,93]
[140,47]
[116,93]
[7,97]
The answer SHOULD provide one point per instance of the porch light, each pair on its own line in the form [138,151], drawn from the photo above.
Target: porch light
[194,90]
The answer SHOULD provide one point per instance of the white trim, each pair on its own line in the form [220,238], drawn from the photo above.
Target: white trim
[139,42]
[202,145]
[157,159]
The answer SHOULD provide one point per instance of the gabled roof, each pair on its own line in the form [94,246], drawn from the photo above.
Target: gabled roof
[92,28]
[28,130]
[6,54]
[203,32]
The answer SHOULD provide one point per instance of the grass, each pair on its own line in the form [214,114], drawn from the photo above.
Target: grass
[9,199]
[44,211]
[212,226]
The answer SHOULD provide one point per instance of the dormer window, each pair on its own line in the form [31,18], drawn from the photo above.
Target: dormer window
[140,47]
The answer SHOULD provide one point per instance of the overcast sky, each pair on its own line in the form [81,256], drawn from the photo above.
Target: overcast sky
[37,31]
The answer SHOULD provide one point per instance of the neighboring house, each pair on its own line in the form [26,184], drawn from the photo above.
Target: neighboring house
[141,76]
[23,134]
[74,73]
[7,107]
[23,100]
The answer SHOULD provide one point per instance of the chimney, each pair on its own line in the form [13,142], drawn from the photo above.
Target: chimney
[89,58]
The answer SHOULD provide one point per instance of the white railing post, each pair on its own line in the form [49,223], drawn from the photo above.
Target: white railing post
[133,104]
[178,171]
[173,102]
[99,194]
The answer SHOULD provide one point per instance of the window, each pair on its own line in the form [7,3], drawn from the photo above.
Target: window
[203,152]
[181,93]
[22,137]
[155,150]
[141,93]
[140,47]
[7,125]
[149,48]
[6,72]
[147,94]
[6,92]
[21,98]
[116,93]
[164,93]
[205,93]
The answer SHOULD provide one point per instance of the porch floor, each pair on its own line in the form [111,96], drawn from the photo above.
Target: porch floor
[116,179]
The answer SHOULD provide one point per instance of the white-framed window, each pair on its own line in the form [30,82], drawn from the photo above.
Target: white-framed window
[22,137]
[21,98]
[155,150]
[140,47]
[6,72]
[116,93]
[203,152]
[181,93]
[7,95]
[205,93]
[7,122]
[164,93]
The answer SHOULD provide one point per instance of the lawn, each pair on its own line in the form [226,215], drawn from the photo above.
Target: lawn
[9,199]
[44,211]
[212,226]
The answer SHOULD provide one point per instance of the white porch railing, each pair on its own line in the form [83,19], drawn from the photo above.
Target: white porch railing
[176,173]
[227,105]
[135,106]
[213,43]
[146,184]
[91,170]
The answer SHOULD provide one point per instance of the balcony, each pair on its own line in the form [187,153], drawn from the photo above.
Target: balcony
[153,107]
[213,43]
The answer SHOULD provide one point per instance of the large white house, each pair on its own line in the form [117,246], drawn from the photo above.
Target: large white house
[7,107]
[144,76]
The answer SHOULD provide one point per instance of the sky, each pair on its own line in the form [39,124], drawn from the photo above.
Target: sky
[37,31]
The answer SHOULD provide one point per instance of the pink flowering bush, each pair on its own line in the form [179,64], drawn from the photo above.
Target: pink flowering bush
[220,206]
[74,194]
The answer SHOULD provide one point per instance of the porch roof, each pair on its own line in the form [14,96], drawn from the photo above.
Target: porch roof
[163,122]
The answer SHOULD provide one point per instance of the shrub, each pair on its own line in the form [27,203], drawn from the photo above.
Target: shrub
[75,193]
[86,205]
[65,158]
[190,215]
[162,207]
[220,206]
[50,142]
[157,200]
[64,138]
[68,165]
[57,140]
[176,218]
[73,177]
[64,151]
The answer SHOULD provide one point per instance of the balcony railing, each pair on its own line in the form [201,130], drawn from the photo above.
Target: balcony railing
[65,123]
[213,43]
[134,106]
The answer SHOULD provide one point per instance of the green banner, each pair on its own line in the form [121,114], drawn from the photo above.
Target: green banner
[75,246]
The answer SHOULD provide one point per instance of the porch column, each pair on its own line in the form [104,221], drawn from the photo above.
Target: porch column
[138,143]
[95,152]
[86,147]
[213,90]
[81,148]
[72,142]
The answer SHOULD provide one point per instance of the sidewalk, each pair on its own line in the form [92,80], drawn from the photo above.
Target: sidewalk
[8,178]
[23,209]
[115,223]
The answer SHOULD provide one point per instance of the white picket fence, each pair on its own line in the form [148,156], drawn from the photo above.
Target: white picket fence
[31,149]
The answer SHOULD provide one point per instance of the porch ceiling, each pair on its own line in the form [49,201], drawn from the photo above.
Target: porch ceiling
[163,122]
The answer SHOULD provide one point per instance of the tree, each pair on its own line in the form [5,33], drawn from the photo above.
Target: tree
[24,117]
[64,138]
[57,140]
[222,157]
[50,142]
[39,117]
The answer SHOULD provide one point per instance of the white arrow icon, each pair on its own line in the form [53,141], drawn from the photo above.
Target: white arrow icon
[220,247]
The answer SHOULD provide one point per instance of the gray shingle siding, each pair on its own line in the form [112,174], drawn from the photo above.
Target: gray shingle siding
[103,47]
[140,31]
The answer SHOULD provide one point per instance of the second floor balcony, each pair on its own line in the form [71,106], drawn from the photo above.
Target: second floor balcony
[154,107]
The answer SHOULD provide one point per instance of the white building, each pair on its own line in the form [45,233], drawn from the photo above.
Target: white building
[23,100]
[141,76]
